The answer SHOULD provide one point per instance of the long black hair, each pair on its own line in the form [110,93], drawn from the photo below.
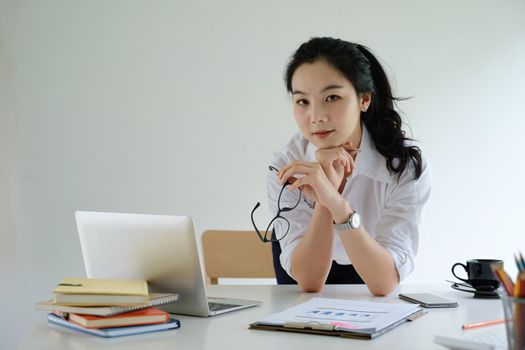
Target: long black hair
[366,74]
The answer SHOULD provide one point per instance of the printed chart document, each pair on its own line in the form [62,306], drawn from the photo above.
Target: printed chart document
[344,318]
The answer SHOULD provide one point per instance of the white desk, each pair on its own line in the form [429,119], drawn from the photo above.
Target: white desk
[230,331]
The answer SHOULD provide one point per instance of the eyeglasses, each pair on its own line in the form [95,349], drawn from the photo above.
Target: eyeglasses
[295,197]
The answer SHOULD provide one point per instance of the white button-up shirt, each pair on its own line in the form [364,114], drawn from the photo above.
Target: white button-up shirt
[390,209]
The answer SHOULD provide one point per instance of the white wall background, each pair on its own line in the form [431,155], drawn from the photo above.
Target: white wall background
[174,107]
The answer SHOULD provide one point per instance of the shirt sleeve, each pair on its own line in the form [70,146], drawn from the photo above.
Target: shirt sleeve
[299,217]
[400,223]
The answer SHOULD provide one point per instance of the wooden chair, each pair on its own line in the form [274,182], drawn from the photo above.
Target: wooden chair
[236,254]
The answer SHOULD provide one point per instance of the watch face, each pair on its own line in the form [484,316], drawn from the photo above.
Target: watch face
[355,220]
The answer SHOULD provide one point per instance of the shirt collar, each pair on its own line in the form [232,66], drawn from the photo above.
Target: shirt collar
[368,162]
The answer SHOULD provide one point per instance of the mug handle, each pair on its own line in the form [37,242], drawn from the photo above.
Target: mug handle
[459,278]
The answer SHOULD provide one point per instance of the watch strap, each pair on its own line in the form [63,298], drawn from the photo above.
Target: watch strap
[347,225]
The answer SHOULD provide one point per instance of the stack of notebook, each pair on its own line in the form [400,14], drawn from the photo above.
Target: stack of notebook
[108,308]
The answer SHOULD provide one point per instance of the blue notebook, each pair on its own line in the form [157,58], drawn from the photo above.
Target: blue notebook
[116,331]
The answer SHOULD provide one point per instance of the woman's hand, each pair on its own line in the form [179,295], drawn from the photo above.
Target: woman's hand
[314,183]
[337,162]
[320,181]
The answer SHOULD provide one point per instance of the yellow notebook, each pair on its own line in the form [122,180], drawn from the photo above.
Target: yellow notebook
[98,292]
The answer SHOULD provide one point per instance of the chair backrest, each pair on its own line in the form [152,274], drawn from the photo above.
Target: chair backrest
[236,254]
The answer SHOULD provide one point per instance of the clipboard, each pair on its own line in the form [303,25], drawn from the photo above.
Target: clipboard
[301,324]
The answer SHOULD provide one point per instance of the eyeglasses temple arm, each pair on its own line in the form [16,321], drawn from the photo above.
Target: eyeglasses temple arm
[253,222]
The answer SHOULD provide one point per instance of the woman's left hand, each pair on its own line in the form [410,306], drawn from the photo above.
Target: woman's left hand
[337,162]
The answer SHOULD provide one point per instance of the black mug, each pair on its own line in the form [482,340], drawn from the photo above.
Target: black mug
[480,274]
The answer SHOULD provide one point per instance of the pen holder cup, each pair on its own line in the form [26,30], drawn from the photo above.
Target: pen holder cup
[514,311]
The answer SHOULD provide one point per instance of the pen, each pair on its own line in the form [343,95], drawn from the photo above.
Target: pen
[519,262]
[483,324]
[505,279]
[519,286]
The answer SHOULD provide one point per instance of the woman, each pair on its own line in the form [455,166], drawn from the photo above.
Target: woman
[363,183]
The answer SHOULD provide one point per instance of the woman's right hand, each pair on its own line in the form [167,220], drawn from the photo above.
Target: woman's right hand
[312,181]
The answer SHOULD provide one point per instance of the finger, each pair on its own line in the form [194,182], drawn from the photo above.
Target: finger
[283,180]
[346,156]
[285,169]
[351,163]
[298,168]
[344,159]
[291,179]
[302,168]
[338,163]
[352,150]
[299,183]
[349,147]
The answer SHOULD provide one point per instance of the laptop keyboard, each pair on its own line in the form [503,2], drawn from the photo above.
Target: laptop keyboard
[476,342]
[498,341]
[220,306]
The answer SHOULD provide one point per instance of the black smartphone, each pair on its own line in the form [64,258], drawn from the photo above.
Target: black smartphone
[428,300]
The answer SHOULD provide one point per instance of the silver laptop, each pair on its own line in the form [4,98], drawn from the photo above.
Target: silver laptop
[160,249]
[491,340]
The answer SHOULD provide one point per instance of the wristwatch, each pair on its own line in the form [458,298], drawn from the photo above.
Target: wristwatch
[354,221]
